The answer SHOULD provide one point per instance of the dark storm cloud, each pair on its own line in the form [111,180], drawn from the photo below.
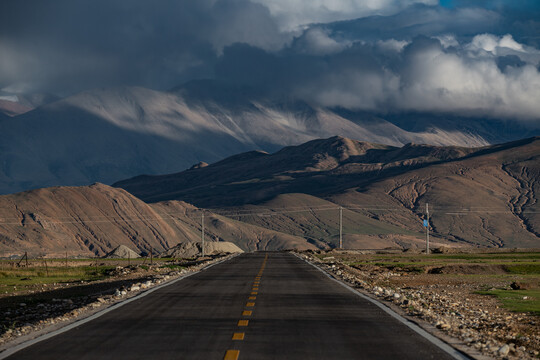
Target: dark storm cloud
[67,45]
[467,57]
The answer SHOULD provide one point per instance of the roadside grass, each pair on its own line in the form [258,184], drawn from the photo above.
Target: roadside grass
[39,272]
[524,269]
[517,300]
[20,279]
[513,263]
[172,266]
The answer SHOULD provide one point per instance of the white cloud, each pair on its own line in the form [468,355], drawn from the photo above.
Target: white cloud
[489,45]
[426,76]
[291,14]
[447,40]
[392,44]
[317,41]
[450,82]
[492,43]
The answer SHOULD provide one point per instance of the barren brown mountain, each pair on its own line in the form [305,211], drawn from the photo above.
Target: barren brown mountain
[292,199]
[94,220]
[478,196]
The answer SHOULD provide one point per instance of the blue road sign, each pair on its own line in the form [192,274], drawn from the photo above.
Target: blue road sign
[426,223]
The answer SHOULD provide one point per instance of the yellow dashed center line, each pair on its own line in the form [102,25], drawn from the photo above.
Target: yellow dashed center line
[238,336]
[232,355]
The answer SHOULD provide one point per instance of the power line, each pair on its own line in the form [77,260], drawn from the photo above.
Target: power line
[265,212]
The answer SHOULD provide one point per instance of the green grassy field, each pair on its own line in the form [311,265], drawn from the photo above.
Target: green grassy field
[20,279]
[16,279]
[517,300]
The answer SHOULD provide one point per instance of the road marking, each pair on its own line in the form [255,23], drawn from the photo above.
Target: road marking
[238,336]
[232,355]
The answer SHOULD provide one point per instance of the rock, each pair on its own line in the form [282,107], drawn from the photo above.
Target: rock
[101,300]
[134,288]
[122,252]
[396,296]
[504,350]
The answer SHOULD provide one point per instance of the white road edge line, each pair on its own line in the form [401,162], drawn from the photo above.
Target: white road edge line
[13,350]
[456,354]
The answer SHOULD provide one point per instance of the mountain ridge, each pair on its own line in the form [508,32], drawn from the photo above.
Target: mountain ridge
[108,134]
[482,197]
[93,220]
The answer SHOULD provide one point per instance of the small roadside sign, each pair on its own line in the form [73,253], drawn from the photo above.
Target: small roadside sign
[426,224]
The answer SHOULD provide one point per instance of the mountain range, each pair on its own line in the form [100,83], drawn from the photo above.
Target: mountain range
[485,196]
[104,135]
[294,198]
[93,220]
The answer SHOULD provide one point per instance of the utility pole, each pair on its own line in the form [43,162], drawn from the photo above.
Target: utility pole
[341,227]
[202,234]
[427,229]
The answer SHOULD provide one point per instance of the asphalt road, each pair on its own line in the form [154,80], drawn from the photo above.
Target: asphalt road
[255,306]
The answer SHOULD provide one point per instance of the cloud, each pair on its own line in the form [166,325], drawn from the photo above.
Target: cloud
[67,46]
[424,75]
[467,57]
[291,14]
[317,41]
[418,20]
[435,79]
